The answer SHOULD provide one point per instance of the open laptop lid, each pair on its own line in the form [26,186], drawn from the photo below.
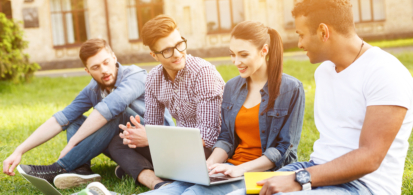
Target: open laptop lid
[40,184]
[177,153]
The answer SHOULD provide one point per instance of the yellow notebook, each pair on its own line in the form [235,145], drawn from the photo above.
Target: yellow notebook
[251,179]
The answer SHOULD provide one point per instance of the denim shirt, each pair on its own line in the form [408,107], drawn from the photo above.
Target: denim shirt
[129,92]
[280,128]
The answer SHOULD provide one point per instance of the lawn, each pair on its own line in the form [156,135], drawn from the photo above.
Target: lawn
[24,107]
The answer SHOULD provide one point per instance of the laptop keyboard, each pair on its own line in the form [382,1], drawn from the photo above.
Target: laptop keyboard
[215,179]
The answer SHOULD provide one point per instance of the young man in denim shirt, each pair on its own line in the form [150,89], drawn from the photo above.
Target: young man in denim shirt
[115,92]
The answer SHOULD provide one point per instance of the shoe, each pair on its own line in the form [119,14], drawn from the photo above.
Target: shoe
[161,185]
[47,172]
[79,176]
[119,172]
[95,188]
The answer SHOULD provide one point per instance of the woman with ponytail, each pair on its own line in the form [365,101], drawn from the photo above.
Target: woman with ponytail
[262,112]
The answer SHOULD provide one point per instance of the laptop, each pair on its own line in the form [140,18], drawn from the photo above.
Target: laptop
[178,154]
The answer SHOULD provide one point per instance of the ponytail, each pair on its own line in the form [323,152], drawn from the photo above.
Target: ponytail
[274,66]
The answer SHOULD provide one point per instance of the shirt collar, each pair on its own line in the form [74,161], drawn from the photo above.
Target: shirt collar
[244,83]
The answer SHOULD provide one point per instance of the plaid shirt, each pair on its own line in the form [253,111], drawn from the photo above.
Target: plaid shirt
[194,98]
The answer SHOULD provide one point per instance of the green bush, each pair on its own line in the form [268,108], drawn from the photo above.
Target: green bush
[14,64]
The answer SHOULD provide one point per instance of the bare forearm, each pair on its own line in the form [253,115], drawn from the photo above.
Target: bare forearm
[344,169]
[93,123]
[46,131]
[260,164]
[218,156]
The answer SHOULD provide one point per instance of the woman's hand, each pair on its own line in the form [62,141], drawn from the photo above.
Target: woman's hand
[226,169]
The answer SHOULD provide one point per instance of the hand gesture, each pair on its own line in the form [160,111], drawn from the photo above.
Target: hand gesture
[134,136]
[278,184]
[11,162]
[226,169]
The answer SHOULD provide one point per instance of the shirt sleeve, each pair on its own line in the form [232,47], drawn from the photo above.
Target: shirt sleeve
[130,88]
[208,92]
[79,105]
[388,85]
[154,114]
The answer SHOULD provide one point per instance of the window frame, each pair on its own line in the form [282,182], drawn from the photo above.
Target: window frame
[138,7]
[1,10]
[220,31]
[371,12]
[74,12]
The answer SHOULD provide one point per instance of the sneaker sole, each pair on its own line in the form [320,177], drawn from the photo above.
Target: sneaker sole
[70,180]
[98,188]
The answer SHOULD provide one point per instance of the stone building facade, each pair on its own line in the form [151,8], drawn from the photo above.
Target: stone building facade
[56,28]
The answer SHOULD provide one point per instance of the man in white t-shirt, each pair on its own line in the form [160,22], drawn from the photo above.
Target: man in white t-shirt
[363,109]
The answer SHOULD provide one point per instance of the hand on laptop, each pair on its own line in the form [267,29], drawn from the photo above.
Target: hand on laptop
[11,162]
[226,169]
[279,184]
[134,136]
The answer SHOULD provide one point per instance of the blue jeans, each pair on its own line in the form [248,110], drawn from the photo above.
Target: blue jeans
[94,144]
[355,187]
[184,188]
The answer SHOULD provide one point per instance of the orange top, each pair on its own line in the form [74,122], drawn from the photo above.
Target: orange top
[248,130]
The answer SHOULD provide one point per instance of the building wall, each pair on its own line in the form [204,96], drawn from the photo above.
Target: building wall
[191,18]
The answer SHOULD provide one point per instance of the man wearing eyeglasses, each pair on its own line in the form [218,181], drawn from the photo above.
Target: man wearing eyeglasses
[189,87]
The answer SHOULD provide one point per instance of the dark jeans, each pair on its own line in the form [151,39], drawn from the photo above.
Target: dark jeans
[94,144]
[134,161]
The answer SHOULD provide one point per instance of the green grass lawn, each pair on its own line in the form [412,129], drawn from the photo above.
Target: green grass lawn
[24,107]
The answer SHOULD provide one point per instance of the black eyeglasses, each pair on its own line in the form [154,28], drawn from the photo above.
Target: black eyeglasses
[169,52]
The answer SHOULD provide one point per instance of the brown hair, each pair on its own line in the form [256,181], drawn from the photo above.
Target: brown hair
[259,35]
[335,13]
[159,27]
[91,47]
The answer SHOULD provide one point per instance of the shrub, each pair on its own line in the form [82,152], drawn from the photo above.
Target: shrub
[14,64]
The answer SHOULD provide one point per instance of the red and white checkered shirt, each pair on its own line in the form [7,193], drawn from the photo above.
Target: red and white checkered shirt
[194,98]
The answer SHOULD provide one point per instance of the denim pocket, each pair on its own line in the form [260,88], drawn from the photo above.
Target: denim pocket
[277,116]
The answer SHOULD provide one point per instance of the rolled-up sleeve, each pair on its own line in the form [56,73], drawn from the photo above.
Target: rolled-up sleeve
[79,105]
[290,133]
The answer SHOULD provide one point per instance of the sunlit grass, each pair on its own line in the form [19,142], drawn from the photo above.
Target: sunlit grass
[26,106]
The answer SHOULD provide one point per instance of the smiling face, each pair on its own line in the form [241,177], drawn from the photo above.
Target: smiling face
[102,67]
[309,41]
[248,59]
[178,59]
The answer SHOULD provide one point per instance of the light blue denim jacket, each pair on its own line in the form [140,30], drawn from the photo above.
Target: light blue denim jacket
[129,92]
[280,128]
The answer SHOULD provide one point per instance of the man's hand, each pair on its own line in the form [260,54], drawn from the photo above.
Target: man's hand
[11,162]
[279,184]
[134,136]
[66,150]
[228,170]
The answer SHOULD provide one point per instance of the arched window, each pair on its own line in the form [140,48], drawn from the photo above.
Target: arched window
[69,22]
[223,15]
[5,7]
[139,12]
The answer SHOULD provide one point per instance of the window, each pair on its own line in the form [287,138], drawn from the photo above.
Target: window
[223,15]
[5,7]
[69,22]
[368,10]
[289,20]
[139,12]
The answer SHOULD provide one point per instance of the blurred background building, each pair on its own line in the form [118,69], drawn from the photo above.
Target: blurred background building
[55,29]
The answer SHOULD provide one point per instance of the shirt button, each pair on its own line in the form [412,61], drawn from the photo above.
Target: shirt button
[262,90]
[177,108]
[278,114]
[263,100]
[176,91]
[262,131]
[291,146]
[262,114]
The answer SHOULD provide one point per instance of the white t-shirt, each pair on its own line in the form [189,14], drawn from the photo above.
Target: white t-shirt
[341,99]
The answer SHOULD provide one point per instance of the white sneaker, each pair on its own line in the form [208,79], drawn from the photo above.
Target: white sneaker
[97,188]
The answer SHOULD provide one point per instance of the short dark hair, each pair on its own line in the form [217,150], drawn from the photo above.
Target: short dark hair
[91,47]
[156,28]
[335,13]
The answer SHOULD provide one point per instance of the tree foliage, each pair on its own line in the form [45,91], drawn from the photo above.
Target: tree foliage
[14,63]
